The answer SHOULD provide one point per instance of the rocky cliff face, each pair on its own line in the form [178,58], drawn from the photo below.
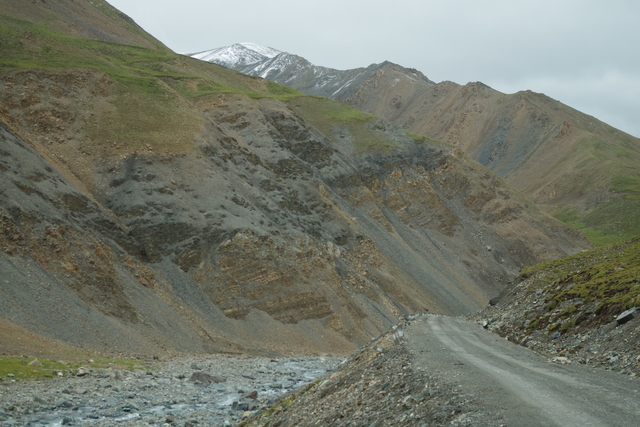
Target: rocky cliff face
[570,164]
[197,210]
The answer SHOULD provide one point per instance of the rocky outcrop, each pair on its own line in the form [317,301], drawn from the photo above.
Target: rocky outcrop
[568,163]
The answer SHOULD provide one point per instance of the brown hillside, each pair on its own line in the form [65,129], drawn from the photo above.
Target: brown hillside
[565,161]
[152,203]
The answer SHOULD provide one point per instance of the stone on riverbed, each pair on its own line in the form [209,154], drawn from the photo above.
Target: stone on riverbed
[204,378]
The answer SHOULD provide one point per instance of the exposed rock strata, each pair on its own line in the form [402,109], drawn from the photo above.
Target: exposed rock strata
[265,222]
[566,162]
[194,209]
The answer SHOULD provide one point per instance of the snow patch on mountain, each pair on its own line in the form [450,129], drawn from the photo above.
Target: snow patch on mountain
[239,54]
[269,52]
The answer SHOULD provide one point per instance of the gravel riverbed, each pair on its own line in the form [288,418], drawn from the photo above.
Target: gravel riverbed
[212,390]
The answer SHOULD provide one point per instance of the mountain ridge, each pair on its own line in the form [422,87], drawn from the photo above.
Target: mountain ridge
[570,164]
[246,54]
[295,71]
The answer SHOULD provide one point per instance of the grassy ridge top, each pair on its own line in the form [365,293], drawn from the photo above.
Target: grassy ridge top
[94,19]
[28,45]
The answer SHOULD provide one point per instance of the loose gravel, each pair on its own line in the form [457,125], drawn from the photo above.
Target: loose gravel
[187,391]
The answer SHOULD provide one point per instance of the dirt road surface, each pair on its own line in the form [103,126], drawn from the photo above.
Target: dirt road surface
[515,386]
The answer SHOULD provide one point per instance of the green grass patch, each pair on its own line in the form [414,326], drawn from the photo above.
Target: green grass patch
[533,325]
[570,216]
[421,139]
[320,110]
[628,186]
[614,221]
[608,276]
[21,368]
[336,120]
[568,325]
[278,91]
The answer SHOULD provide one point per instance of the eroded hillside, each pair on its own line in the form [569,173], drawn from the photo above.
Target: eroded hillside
[154,203]
[569,164]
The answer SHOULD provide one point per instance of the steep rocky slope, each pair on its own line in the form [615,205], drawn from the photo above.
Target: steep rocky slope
[153,203]
[582,309]
[568,163]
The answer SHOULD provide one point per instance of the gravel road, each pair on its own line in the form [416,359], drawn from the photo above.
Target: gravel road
[514,386]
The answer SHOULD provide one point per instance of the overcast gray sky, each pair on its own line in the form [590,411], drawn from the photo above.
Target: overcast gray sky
[585,53]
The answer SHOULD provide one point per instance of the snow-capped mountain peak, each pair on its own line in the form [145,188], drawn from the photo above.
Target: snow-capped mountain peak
[239,54]
[269,52]
[300,74]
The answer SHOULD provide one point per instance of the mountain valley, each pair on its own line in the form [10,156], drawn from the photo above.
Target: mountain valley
[260,219]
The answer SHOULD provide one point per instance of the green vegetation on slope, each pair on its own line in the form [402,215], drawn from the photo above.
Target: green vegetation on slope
[325,111]
[613,221]
[589,287]
[162,85]
[28,367]
[28,45]
[115,14]
[332,118]
[149,90]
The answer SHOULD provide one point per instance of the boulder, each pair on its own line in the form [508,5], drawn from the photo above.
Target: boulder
[204,378]
[627,315]
[251,395]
